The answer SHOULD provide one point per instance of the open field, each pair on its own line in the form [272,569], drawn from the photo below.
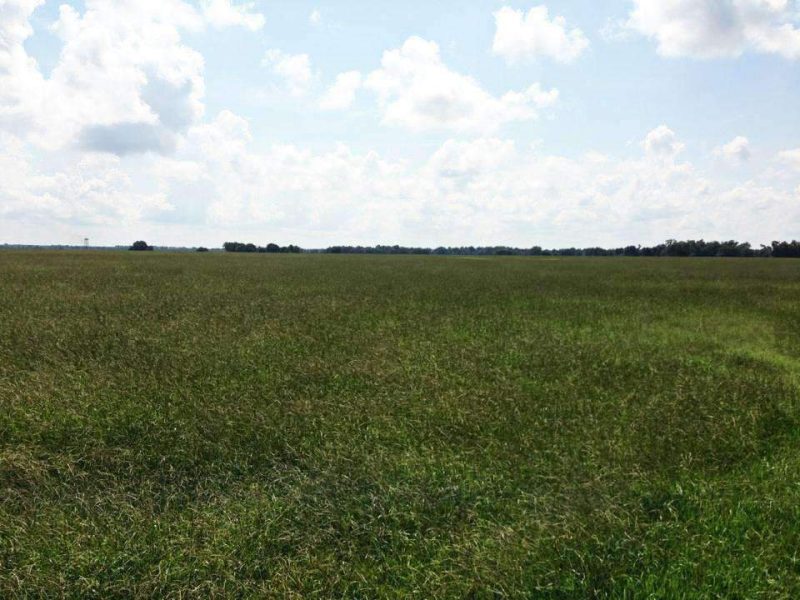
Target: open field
[361,426]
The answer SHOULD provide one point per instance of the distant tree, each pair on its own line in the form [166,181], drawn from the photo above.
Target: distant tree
[202,249]
[240,247]
[734,248]
[786,249]
[140,246]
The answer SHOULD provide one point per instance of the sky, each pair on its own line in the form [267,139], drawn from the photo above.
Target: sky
[568,123]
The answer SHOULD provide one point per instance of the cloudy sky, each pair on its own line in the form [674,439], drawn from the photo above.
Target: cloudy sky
[574,122]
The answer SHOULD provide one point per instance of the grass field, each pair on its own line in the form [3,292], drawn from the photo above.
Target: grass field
[189,425]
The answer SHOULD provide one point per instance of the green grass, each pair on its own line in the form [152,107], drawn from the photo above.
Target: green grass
[359,426]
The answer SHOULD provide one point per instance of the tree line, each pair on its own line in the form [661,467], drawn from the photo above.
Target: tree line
[729,248]
[688,248]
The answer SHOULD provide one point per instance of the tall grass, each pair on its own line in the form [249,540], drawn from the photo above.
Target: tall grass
[360,426]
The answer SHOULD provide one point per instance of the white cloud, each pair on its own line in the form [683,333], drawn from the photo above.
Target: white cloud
[737,150]
[519,35]
[717,28]
[294,69]
[341,94]
[790,158]
[287,186]
[123,82]
[482,191]
[315,18]
[82,152]
[21,83]
[662,142]
[93,190]
[457,159]
[417,90]
[224,13]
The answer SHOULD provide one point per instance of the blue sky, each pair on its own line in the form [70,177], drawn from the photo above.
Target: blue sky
[559,123]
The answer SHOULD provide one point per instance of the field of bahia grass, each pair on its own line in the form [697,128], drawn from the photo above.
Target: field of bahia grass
[181,425]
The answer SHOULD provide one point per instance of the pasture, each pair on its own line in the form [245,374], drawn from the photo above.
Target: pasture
[201,425]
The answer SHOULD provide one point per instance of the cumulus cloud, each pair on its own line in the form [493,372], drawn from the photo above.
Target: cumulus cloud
[460,159]
[125,138]
[315,18]
[122,71]
[94,190]
[294,69]
[21,83]
[519,36]
[224,13]
[790,158]
[342,92]
[418,91]
[718,29]
[483,190]
[287,186]
[480,191]
[662,142]
[737,150]
[114,138]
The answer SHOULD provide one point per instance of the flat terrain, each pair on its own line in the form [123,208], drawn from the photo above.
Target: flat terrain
[191,425]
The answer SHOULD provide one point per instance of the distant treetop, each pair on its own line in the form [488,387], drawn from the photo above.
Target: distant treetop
[240,247]
[140,245]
